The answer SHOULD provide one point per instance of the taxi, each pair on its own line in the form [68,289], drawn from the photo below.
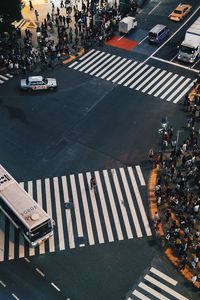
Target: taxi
[180,12]
[33,83]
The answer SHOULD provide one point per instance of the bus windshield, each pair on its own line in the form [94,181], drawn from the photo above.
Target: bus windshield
[40,230]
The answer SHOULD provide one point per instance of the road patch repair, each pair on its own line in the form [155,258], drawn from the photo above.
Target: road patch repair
[122,43]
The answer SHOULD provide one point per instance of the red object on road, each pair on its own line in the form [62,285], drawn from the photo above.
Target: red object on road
[122,43]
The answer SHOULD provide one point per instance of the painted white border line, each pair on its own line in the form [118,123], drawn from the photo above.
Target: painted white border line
[140,175]
[172,35]
[40,272]
[154,8]
[55,286]
[163,276]
[175,64]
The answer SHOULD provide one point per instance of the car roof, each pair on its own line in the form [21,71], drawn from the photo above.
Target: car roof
[182,6]
[157,28]
[35,78]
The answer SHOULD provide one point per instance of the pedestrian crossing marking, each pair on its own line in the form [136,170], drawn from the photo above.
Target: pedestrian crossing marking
[4,78]
[156,288]
[163,276]
[122,71]
[113,212]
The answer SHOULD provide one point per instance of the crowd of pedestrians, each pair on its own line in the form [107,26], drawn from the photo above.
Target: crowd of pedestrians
[177,193]
[65,30]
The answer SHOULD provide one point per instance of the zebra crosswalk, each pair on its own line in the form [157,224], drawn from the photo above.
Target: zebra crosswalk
[83,216]
[5,77]
[156,284]
[133,74]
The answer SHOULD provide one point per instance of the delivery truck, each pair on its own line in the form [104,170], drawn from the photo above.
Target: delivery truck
[126,24]
[189,50]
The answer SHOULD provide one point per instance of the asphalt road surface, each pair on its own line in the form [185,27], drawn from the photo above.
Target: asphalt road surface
[101,121]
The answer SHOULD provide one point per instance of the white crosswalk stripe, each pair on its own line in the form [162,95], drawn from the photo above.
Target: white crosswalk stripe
[132,74]
[83,216]
[154,282]
[5,77]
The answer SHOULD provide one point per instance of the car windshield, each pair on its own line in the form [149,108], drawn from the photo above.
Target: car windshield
[27,81]
[178,12]
[45,80]
[152,35]
[187,49]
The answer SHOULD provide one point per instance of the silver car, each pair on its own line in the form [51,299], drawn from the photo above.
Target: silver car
[33,83]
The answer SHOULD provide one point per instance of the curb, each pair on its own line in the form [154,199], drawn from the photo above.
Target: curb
[73,57]
[153,208]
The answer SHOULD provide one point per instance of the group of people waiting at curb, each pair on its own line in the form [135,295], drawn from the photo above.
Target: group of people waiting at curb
[177,193]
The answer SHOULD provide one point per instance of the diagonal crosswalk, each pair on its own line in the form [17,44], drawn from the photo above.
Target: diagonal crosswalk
[148,79]
[83,217]
[5,77]
[158,285]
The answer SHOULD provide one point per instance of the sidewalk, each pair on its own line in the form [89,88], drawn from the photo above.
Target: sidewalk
[174,195]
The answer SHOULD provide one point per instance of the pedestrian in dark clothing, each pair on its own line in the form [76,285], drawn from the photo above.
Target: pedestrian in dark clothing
[31,5]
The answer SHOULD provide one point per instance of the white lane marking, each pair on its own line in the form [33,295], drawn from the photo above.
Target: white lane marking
[11,249]
[86,60]
[124,72]
[175,64]
[172,87]
[146,37]
[104,207]
[140,175]
[68,216]
[171,36]
[30,191]
[147,79]
[141,77]
[55,286]
[49,211]
[163,276]
[119,69]
[179,89]
[2,235]
[122,207]
[3,77]
[166,85]
[97,63]
[1,81]
[14,296]
[159,83]
[40,272]
[135,76]
[2,283]
[92,61]
[154,8]
[76,207]
[140,295]
[165,288]
[102,65]
[195,63]
[130,73]
[86,55]
[108,66]
[121,37]
[153,81]
[58,214]
[95,210]
[130,202]
[152,291]
[113,68]
[139,202]
[9,75]
[27,260]
[113,206]
[86,209]
[74,63]
[39,201]
[174,57]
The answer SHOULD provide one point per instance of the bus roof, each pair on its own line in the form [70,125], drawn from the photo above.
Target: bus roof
[20,202]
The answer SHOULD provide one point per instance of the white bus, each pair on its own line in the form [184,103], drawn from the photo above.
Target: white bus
[27,216]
